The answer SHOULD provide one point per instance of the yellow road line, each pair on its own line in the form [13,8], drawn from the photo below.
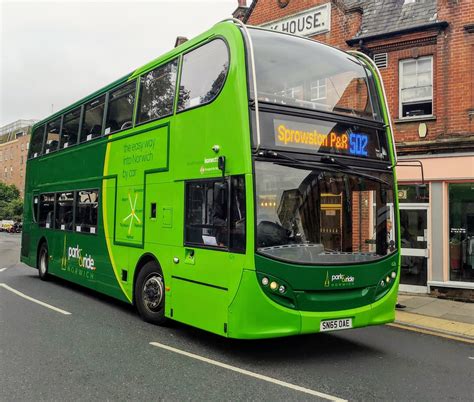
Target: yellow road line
[427,331]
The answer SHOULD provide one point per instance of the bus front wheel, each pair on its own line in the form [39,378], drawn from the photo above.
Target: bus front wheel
[43,258]
[150,294]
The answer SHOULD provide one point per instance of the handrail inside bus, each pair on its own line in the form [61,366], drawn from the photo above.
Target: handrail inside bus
[254,75]
[374,66]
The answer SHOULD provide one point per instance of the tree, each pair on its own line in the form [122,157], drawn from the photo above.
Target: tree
[11,205]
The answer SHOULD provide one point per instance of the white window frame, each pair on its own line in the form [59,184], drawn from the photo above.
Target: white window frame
[318,85]
[400,79]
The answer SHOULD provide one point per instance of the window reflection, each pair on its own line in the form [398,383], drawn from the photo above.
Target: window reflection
[203,74]
[318,216]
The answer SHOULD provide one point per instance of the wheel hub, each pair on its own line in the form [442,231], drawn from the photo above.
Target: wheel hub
[153,293]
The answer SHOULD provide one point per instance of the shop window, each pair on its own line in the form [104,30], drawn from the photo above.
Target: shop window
[203,74]
[92,124]
[413,194]
[36,143]
[46,211]
[416,87]
[87,203]
[461,232]
[157,90]
[52,136]
[215,214]
[70,131]
[64,210]
[120,109]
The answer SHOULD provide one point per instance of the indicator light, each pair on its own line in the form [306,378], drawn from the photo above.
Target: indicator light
[387,279]
[394,275]
[282,289]
[273,286]
[265,281]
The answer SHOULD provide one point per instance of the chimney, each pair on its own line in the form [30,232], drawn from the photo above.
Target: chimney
[180,40]
[241,10]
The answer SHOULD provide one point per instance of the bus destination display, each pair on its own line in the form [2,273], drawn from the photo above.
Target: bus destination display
[324,138]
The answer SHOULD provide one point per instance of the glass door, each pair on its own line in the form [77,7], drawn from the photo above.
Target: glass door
[414,245]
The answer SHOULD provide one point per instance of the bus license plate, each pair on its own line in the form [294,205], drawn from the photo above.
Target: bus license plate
[335,325]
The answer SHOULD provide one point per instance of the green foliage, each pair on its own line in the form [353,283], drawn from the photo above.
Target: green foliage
[11,205]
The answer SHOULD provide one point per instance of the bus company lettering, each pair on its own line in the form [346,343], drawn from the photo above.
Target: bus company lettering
[342,278]
[331,140]
[85,261]
[336,280]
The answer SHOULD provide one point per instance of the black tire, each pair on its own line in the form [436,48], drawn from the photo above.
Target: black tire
[43,259]
[150,294]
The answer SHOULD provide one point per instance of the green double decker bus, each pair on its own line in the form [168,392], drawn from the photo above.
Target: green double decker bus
[242,183]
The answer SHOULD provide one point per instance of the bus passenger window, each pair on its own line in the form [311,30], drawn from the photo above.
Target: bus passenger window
[120,109]
[46,211]
[87,203]
[157,90]
[64,211]
[70,129]
[35,208]
[203,74]
[36,142]
[92,123]
[206,213]
[52,136]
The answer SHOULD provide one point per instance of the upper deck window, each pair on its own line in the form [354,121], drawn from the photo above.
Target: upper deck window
[70,129]
[36,146]
[52,136]
[92,124]
[203,74]
[299,72]
[157,89]
[120,110]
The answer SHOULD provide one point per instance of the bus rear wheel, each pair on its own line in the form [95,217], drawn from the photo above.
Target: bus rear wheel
[150,294]
[43,258]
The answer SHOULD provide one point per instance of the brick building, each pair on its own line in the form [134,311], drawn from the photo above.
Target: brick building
[14,143]
[425,52]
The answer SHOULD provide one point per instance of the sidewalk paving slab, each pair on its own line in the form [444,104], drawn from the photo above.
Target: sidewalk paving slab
[437,315]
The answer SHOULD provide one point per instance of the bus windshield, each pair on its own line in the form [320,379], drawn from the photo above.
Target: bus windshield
[323,215]
[298,72]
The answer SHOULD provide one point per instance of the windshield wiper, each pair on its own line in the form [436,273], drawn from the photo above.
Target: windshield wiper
[357,172]
[325,159]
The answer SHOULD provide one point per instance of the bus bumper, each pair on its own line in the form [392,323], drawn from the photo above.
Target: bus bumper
[252,315]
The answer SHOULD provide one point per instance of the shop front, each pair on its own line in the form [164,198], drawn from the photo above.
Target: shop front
[437,225]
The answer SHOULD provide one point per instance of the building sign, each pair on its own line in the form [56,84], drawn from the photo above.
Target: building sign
[307,23]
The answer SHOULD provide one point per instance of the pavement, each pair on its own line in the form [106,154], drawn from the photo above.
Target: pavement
[437,316]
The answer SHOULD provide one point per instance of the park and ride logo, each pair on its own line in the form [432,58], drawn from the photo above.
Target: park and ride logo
[338,280]
[85,262]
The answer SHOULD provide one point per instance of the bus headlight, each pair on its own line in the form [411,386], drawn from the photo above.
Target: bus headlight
[265,281]
[282,289]
[273,285]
